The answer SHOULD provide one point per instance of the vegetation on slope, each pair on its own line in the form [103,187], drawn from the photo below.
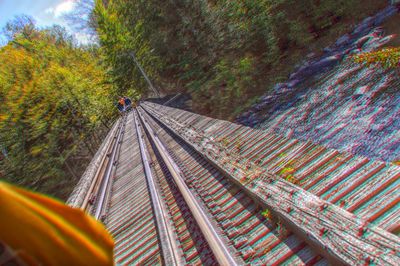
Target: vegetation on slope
[55,96]
[53,100]
[224,53]
[386,57]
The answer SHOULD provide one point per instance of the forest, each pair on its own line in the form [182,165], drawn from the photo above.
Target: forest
[224,53]
[55,107]
[57,97]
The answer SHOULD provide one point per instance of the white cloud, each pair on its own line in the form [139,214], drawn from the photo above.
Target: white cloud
[61,9]
[49,10]
[83,38]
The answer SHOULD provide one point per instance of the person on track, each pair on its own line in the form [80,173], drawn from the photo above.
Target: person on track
[121,105]
[128,103]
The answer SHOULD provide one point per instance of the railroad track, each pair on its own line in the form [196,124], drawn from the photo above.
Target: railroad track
[234,215]
[176,188]
[96,198]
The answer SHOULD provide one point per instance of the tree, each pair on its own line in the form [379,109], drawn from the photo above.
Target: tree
[21,25]
[54,96]
[201,47]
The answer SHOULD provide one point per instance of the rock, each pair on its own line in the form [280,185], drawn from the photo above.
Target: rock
[361,41]
[244,121]
[304,66]
[365,25]
[355,51]
[279,86]
[317,66]
[347,51]
[294,75]
[253,120]
[245,114]
[293,83]
[327,50]
[260,106]
[323,63]
[384,14]
[367,21]
[240,120]
[345,39]
[280,92]
[377,32]
[286,90]
[365,37]
[310,55]
[386,39]
[375,43]
[299,74]
[266,99]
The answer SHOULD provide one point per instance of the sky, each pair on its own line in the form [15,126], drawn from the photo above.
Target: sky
[45,13]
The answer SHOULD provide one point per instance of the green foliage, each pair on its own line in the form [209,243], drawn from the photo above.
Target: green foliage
[223,52]
[267,214]
[53,96]
[120,41]
[287,171]
[228,85]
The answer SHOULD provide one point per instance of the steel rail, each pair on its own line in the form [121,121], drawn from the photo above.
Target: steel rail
[105,182]
[168,244]
[101,167]
[277,196]
[217,245]
[172,99]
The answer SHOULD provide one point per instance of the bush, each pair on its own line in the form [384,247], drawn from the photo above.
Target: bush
[386,58]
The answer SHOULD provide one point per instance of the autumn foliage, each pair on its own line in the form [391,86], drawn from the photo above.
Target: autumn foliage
[54,101]
[386,58]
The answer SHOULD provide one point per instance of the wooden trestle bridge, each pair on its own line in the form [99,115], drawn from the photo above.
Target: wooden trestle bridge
[177,188]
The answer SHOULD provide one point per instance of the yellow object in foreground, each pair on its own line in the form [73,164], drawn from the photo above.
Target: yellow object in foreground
[44,231]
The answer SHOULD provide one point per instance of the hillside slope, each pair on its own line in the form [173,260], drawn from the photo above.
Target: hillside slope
[342,105]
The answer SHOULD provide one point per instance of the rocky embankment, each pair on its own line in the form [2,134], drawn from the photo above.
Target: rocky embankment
[337,103]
